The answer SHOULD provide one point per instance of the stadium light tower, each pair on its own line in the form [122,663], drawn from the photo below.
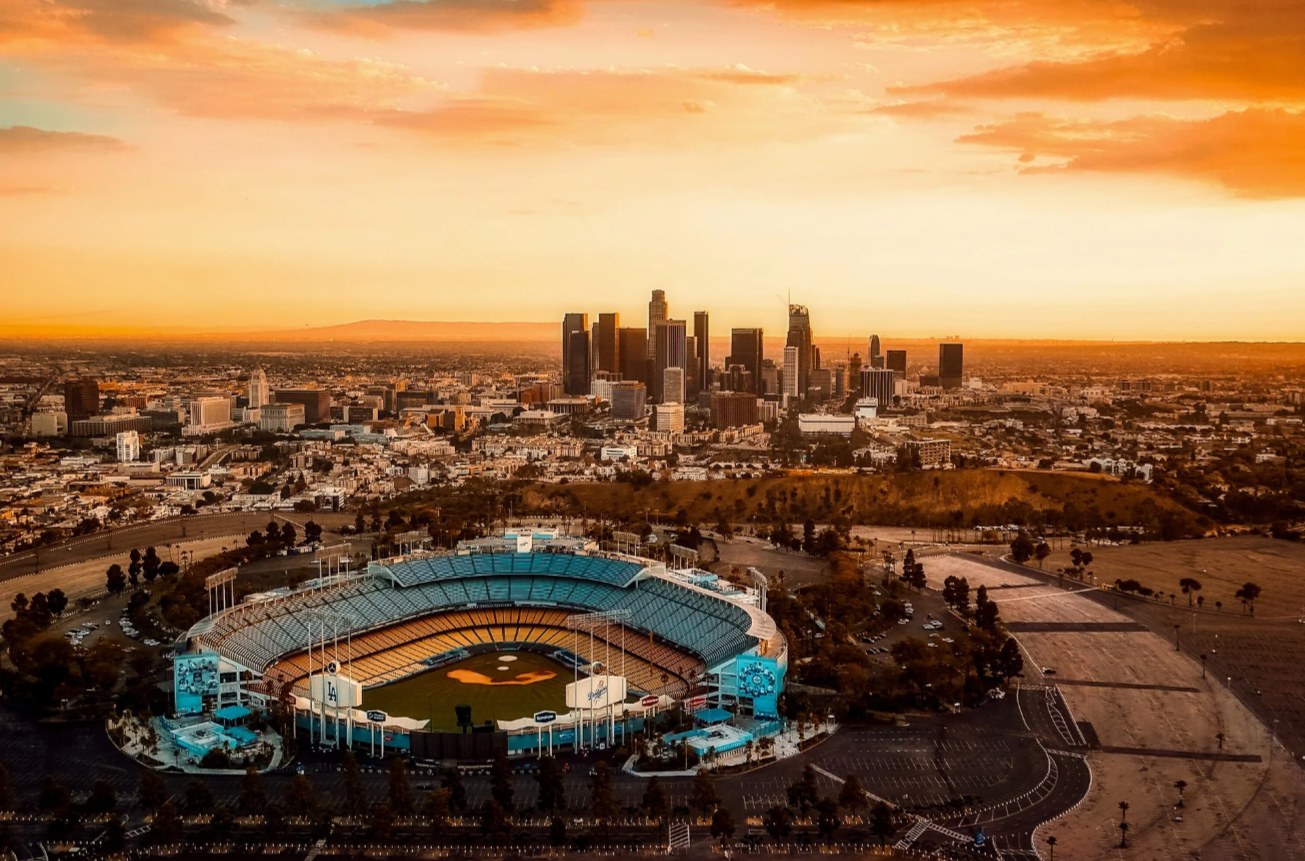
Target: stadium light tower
[593,622]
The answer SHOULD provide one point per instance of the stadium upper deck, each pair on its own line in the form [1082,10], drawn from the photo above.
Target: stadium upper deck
[695,620]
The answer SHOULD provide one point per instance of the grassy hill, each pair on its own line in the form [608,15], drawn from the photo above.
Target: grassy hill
[953,498]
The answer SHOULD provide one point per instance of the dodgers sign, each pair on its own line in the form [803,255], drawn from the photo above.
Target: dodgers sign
[377,717]
[545,717]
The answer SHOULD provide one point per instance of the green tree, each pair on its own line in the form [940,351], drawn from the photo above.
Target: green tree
[1021,549]
[300,797]
[354,802]
[114,580]
[602,797]
[702,797]
[452,781]
[1190,586]
[827,819]
[500,784]
[778,822]
[151,791]
[1042,551]
[1247,595]
[654,800]
[197,797]
[436,811]
[400,792]
[552,791]
[102,799]
[166,827]
[253,798]
[803,794]
[881,822]
[722,825]
[852,797]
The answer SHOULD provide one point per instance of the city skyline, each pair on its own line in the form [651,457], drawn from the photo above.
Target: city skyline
[1100,171]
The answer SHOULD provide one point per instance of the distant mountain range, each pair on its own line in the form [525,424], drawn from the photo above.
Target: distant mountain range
[409,330]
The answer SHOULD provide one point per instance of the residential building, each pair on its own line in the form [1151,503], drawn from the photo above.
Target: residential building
[128,446]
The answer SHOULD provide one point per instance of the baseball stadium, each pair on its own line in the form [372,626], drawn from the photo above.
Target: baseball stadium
[537,639]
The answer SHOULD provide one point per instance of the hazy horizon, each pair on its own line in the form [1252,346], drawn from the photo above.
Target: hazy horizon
[994,169]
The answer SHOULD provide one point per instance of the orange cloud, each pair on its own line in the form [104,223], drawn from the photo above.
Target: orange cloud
[28,24]
[668,107]
[481,16]
[1253,153]
[26,139]
[1226,49]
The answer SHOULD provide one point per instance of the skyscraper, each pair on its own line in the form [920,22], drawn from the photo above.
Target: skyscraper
[673,386]
[702,352]
[875,357]
[854,373]
[799,337]
[877,383]
[575,354]
[670,350]
[951,365]
[897,363]
[628,401]
[81,399]
[657,313]
[746,350]
[790,375]
[632,360]
[259,394]
[609,342]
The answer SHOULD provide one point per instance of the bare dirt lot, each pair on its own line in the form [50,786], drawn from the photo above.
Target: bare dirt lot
[1158,721]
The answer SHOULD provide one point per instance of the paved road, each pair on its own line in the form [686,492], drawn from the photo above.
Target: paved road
[152,534]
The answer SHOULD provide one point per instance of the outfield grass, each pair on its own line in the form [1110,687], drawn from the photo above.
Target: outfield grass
[432,695]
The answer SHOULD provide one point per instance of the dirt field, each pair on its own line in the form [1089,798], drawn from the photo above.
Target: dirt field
[1162,733]
[1221,565]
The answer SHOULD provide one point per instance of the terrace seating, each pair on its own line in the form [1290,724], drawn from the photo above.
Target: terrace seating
[444,604]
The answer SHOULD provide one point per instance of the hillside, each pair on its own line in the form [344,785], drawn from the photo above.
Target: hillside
[958,498]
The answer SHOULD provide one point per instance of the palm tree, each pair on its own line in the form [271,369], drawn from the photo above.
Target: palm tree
[1219,737]
[1051,841]
[1180,785]
[1123,835]
[1123,810]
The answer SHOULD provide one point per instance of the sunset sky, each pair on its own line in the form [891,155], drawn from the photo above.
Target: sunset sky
[988,168]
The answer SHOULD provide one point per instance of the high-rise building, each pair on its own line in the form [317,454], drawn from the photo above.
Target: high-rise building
[657,313]
[790,376]
[951,365]
[208,413]
[629,401]
[670,350]
[128,446]
[769,384]
[668,418]
[702,353]
[875,358]
[609,343]
[673,386]
[317,402]
[854,373]
[81,399]
[632,363]
[896,362]
[733,409]
[575,354]
[799,337]
[746,350]
[259,394]
[877,383]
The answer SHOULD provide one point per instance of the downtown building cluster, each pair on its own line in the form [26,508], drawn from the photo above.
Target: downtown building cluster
[666,365]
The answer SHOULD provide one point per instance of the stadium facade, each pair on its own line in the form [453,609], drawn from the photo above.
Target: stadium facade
[638,635]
